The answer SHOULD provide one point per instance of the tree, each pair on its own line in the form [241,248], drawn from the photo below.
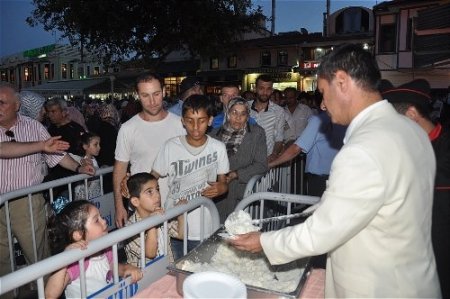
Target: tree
[146,29]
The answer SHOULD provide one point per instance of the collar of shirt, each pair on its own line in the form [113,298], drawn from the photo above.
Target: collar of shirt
[435,133]
[254,108]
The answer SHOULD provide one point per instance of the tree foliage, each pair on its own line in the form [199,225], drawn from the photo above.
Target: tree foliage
[148,29]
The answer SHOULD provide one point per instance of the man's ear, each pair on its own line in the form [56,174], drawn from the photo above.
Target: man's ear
[342,80]
[412,113]
[210,121]
[77,236]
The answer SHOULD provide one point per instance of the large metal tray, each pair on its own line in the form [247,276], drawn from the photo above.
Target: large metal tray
[205,251]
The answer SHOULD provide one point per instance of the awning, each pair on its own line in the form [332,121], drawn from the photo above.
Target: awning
[71,87]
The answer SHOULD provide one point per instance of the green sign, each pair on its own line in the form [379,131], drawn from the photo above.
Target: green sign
[39,51]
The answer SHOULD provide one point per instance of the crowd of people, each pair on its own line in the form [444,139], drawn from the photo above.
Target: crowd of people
[385,207]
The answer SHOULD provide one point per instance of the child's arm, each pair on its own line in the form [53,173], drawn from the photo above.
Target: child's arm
[56,284]
[151,239]
[129,270]
[216,188]
[59,280]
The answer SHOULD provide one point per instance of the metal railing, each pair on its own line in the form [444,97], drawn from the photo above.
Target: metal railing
[37,271]
[48,186]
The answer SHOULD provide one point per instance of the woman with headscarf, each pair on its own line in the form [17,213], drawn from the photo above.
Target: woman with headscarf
[246,150]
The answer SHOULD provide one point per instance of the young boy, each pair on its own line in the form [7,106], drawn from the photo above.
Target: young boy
[195,164]
[146,200]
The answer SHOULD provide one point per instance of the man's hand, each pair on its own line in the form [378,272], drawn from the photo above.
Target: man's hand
[123,186]
[247,242]
[54,145]
[121,216]
[232,175]
[87,169]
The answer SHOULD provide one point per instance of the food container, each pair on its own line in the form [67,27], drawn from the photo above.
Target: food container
[206,250]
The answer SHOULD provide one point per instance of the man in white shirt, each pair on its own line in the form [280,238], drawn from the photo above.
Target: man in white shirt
[269,116]
[374,218]
[140,138]
[298,115]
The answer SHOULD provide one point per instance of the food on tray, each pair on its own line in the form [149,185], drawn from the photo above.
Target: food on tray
[252,269]
[240,223]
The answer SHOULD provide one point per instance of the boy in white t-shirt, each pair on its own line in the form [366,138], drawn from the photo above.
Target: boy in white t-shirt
[195,165]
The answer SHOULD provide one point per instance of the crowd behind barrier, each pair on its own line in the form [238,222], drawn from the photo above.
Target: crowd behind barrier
[277,179]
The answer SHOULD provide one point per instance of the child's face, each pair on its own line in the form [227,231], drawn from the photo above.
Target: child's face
[149,199]
[96,226]
[93,148]
[196,124]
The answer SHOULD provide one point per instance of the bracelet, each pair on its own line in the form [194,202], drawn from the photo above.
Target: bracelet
[78,168]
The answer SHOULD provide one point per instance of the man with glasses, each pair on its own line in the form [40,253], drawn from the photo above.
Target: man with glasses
[22,172]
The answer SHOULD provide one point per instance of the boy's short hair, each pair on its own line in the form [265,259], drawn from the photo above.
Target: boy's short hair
[136,181]
[195,103]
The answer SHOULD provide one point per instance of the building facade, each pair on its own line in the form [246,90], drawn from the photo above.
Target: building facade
[413,41]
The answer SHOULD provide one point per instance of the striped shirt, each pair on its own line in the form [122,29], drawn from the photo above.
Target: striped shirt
[273,121]
[17,173]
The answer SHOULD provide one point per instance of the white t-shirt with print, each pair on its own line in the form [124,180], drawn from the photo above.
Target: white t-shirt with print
[188,175]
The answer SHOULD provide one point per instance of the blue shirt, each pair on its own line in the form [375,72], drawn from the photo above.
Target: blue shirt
[321,140]
[177,108]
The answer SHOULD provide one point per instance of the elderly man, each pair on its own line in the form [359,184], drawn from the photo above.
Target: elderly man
[21,172]
[374,220]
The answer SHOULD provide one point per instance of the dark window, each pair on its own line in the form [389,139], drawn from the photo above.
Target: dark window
[96,70]
[64,71]
[52,71]
[214,63]
[282,58]
[232,61]
[71,71]
[80,72]
[387,38]
[408,34]
[266,59]
[12,77]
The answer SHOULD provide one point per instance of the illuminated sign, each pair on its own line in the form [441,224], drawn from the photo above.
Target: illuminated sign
[39,51]
[310,64]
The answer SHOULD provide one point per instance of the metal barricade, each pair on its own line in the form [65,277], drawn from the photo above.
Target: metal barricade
[49,186]
[286,178]
[123,288]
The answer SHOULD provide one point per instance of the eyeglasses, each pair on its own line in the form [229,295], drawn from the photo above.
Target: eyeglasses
[10,134]
[236,113]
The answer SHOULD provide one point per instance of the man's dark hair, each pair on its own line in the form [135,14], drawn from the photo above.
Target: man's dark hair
[263,78]
[147,77]
[197,102]
[230,85]
[402,107]
[290,89]
[358,63]
[136,181]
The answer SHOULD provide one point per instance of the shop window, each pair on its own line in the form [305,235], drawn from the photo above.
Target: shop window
[266,59]
[46,71]
[27,72]
[81,72]
[97,70]
[88,70]
[387,38]
[282,58]
[3,76]
[232,61]
[214,63]
[64,71]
